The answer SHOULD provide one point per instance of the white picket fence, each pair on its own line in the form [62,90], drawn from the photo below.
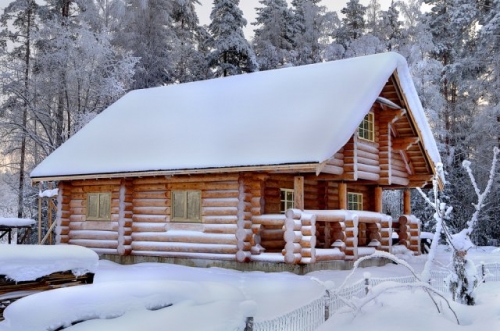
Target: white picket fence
[312,315]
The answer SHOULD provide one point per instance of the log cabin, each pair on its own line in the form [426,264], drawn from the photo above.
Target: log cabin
[281,166]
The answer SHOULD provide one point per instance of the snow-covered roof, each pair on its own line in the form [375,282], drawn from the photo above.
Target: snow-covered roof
[279,117]
[29,262]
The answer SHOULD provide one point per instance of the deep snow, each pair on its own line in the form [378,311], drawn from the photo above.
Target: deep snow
[137,297]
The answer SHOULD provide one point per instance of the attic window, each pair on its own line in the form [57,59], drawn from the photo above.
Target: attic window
[354,201]
[99,206]
[186,206]
[287,199]
[366,128]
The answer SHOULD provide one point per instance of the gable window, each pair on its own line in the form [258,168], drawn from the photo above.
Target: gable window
[287,199]
[186,206]
[99,206]
[354,201]
[366,129]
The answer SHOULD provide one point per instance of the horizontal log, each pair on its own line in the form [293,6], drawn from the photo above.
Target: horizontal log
[399,181]
[94,225]
[293,224]
[151,210]
[183,247]
[156,187]
[212,194]
[333,169]
[149,218]
[273,244]
[275,219]
[308,241]
[150,202]
[94,182]
[186,237]
[308,252]
[149,227]
[220,202]
[292,247]
[331,254]
[308,230]
[368,176]
[292,236]
[220,219]
[219,211]
[351,242]
[220,228]
[336,162]
[93,234]
[370,147]
[272,234]
[292,258]
[369,168]
[89,243]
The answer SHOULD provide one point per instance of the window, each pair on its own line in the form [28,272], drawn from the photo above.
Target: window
[186,206]
[366,129]
[99,206]
[354,201]
[287,199]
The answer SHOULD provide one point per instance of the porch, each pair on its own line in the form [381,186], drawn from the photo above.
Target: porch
[310,236]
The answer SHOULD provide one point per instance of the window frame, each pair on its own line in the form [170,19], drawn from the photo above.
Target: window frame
[284,199]
[354,201]
[88,215]
[185,212]
[366,129]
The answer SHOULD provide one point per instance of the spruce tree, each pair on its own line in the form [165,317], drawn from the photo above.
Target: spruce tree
[230,53]
[273,40]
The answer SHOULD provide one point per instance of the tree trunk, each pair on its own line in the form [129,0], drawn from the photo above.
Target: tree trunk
[20,197]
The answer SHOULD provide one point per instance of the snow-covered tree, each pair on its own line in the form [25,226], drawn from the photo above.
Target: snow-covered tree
[189,55]
[146,32]
[273,40]
[390,28]
[22,14]
[230,53]
[353,24]
[307,27]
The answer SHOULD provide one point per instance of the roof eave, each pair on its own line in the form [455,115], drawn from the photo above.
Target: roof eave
[292,167]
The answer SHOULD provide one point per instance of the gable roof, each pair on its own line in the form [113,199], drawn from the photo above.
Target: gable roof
[289,116]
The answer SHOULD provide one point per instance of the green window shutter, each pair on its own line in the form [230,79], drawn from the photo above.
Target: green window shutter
[193,205]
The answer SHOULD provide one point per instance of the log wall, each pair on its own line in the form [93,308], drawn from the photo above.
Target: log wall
[101,236]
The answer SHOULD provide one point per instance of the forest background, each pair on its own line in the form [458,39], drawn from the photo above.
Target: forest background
[64,61]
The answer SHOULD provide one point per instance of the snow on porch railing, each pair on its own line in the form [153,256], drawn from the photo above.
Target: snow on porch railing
[312,315]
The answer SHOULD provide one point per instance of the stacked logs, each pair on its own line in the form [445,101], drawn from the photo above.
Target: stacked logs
[386,234]
[409,232]
[300,237]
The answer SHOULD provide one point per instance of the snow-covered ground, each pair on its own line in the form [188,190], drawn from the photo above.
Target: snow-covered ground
[154,296]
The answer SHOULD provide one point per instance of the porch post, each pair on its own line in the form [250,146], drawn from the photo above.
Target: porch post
[378,199]
[298,192]
[342,196]
[407,202]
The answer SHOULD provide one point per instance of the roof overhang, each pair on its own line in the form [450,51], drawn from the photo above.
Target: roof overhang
[296,167]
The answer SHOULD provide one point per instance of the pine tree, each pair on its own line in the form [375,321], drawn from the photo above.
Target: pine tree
[190,58]
[308,20]
[353,24]
[146,32]
[390,27]
[273,39]
[230,54]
